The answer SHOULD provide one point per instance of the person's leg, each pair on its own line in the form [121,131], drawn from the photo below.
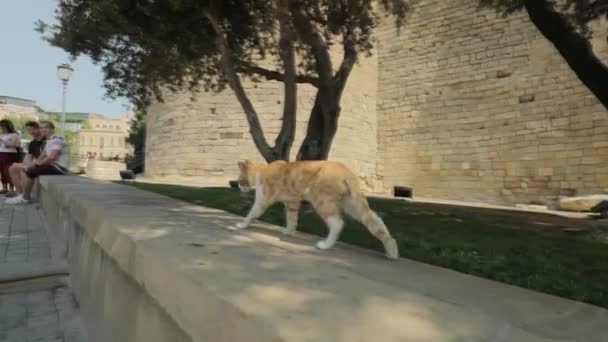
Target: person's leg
[27,184]
[29,175]
[15,174]
[26,177]
[4,177]
[10,184]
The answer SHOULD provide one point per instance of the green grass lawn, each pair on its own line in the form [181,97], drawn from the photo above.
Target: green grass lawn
[524,249]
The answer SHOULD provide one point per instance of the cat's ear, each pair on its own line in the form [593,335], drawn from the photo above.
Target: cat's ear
[243,165]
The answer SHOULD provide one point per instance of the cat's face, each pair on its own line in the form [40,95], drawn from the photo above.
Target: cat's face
[245,176]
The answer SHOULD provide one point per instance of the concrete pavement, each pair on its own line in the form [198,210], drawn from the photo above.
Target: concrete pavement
[36,302]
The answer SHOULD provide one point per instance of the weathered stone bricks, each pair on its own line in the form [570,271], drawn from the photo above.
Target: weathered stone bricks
[212,129]
[501,93]
[461,104]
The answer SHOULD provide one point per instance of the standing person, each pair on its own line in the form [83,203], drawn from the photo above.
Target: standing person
[34,151]
[53,161]
[9,141]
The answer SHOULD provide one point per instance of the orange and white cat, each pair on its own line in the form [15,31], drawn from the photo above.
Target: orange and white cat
[328,186]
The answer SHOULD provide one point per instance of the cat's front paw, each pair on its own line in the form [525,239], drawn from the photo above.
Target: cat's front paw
[242,225]
[392,251]
[324,245]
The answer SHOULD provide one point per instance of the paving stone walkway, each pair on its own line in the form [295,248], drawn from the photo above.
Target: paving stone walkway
[36,302]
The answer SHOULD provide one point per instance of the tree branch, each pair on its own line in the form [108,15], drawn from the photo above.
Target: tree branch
[284,140]
[255,127]
[326,107]
[273,75]
[595,10]
[575,48]
[309,34]
[348,62]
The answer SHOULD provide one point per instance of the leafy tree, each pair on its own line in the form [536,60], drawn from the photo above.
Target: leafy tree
[137,131]
[137,139]
[566,24]
[147,46]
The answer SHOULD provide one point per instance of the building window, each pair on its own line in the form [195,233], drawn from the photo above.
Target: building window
[91,141]
[101,142]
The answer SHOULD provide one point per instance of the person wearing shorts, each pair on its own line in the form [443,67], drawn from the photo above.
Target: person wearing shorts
[53,161]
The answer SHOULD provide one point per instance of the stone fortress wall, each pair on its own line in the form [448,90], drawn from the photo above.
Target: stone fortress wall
[473,106]
[461,104]
[206,137]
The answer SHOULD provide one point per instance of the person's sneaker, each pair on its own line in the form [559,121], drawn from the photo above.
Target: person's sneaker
[17,200]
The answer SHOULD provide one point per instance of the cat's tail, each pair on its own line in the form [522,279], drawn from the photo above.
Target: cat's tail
[355,204]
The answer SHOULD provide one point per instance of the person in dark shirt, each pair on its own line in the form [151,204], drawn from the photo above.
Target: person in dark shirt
[34,150]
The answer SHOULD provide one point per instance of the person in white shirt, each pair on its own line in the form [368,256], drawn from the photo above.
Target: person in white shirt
[9,142]
[53,161]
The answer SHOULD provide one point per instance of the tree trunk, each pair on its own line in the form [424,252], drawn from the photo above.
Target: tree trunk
[323,122]
[284,140]
[575,48]
[321,130]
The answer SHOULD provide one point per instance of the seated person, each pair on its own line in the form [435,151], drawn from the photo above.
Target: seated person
[53,161]
[34,150]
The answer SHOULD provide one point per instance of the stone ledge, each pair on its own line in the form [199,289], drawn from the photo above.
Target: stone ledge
[216,284]
[104,170]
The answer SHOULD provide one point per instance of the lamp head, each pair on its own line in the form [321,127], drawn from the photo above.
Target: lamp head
[64,72]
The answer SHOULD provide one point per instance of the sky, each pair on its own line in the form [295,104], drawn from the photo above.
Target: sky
[28,65]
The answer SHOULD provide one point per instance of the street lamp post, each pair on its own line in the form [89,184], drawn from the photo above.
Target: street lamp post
[64,72]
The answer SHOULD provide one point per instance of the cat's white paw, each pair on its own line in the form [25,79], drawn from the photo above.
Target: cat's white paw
[392,251]
[324,244]
[241,225]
